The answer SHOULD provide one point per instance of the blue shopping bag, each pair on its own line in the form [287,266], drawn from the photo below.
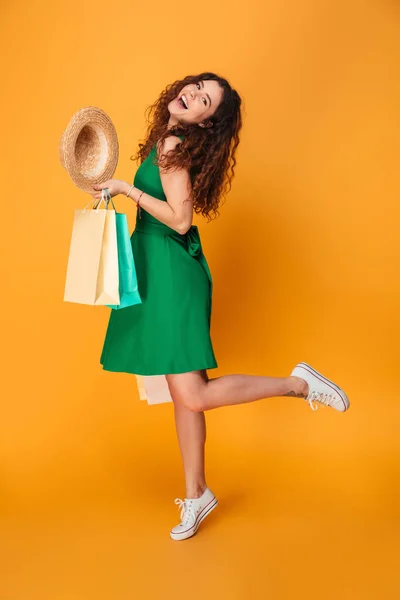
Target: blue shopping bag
[128,285]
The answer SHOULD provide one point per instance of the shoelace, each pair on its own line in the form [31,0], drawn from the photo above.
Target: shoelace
[324,399]
[185,506]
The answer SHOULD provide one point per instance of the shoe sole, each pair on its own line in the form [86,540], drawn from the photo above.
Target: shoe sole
[340,392]
[202,515]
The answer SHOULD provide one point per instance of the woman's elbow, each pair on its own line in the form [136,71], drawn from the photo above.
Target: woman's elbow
[183,228]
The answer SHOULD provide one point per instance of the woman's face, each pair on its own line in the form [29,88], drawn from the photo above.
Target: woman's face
[201,99]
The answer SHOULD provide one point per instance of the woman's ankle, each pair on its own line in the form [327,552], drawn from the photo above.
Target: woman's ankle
[195,491]
[298,387]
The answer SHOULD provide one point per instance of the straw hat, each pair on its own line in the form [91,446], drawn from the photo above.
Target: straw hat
[88,148]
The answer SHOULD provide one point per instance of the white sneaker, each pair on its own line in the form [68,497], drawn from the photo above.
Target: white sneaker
[321,389]
[193,511]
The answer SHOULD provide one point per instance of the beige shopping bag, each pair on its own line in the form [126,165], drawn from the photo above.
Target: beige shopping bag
[153,388]
[92,270]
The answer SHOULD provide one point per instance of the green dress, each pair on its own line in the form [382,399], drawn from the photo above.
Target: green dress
[169,332]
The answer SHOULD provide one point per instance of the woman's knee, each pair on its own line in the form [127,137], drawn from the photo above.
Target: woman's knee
[188,389]
[193,404]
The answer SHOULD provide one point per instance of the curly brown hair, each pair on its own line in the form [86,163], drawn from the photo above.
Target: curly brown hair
[208,153]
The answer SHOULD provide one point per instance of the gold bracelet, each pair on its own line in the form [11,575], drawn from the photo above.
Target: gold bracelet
[130,190]
[137,201]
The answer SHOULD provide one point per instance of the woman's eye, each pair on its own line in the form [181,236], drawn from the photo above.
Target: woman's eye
[205,101]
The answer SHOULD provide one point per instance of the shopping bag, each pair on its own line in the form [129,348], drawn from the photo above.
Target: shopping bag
[92,270]
[153,388]
[128,285]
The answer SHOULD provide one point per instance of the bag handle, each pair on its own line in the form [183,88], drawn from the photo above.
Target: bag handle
[106,196]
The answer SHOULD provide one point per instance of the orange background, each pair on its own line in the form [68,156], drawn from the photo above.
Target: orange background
[305,261]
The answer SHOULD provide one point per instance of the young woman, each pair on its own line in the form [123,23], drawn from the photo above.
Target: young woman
[185,167]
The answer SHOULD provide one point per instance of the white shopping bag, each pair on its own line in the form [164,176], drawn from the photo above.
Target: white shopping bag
[153,388]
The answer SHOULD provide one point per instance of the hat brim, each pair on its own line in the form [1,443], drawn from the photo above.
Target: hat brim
[88,148]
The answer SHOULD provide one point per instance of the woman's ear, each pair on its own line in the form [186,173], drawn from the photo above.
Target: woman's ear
[209,124]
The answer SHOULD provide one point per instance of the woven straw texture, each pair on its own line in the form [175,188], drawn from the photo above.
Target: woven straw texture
[88,148]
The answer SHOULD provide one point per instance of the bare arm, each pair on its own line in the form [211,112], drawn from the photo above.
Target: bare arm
[177,187]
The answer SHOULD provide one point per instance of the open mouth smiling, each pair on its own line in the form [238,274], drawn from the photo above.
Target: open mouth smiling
[183,102]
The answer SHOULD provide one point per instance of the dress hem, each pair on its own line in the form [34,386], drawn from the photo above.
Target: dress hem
[213,366]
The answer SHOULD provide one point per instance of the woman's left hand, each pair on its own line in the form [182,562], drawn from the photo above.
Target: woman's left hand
[114,186]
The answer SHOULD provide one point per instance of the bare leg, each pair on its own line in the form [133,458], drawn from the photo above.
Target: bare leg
[198,393]
[191,431]
[194,392]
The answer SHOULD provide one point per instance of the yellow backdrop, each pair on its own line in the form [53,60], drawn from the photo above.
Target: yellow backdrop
[305,262]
